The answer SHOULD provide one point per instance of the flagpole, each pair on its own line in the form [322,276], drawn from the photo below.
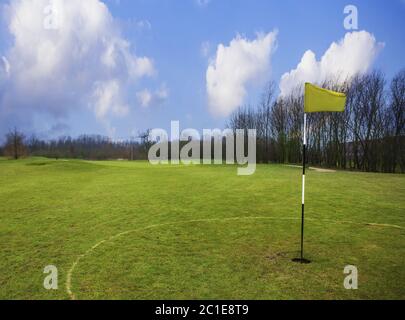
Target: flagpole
[304,152]
[316,99]
[304,147]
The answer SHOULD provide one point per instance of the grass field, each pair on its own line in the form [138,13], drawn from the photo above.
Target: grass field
[121,230]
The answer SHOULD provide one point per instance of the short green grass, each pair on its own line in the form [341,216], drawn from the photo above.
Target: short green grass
[197,232]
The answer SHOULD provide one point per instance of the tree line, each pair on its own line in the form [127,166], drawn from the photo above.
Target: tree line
[88,147]
[368,136]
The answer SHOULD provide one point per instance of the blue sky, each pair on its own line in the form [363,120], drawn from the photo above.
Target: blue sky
[171,33]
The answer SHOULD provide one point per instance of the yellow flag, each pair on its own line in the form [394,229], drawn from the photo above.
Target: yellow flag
[322,100]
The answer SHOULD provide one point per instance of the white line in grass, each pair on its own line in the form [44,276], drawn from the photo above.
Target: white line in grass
[98,244]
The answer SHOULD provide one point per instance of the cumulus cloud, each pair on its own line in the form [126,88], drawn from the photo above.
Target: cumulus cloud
[67,54]
[147,98]
[236,66]
[354,54]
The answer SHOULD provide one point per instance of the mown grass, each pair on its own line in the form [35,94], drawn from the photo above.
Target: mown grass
[197,232]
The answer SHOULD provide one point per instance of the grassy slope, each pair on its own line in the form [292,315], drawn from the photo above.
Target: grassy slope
[53,211]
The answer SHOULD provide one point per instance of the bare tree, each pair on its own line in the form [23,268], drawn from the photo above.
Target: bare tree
[14,146]
[397,117]
[263,125]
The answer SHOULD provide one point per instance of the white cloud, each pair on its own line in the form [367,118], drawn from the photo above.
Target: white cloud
[146,98]
[67,56]
[236,66]
[354,54]
[107,99]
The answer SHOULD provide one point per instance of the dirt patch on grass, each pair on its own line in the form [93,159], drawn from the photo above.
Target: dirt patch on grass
[312,168]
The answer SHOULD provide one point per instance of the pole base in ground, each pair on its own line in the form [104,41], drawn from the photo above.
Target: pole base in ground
[302,261]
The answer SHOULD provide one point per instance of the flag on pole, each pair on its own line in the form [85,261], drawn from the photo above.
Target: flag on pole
[316,100]
[323,100]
